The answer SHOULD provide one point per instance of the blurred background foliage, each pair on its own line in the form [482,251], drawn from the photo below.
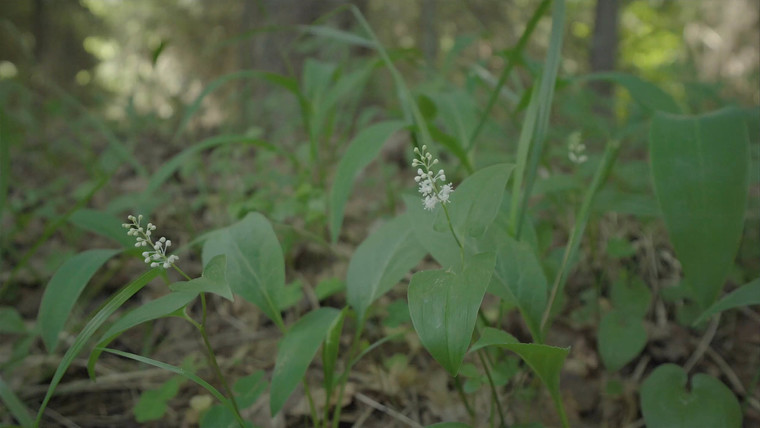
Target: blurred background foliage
[96,89]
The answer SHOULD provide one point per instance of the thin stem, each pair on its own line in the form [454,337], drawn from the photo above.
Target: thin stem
[463,397]
[215,364]
[310,399]
[608,159]
[494,393]
[344,376]
[454,234]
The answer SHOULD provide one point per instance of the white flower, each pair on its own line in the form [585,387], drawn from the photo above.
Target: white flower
[157,257]
[431,193]
[576,149]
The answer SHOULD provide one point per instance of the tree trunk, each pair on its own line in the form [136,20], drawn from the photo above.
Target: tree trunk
[604,44]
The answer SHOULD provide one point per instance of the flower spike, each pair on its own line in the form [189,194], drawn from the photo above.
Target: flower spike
[157,256]
[431,192]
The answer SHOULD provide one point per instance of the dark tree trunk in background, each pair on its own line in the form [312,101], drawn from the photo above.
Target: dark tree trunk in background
[38,20]
[604,44]
[429,32]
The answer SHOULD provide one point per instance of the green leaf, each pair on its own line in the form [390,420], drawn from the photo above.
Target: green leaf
[328,287]
[493,336]
[158,308]
[213,280]
[474,206]
[518,277]
[89,330]
[747,294]
[176,370]
[645,93]
[338,35]
[699,169]
[15,405]
[247,389]
[64,289]
[380,262]
[103,224]
[11,321]
[546,361]
[449,425]
[621,338]
[619,248]
[476,202]
[255,265]
[330,350]
[169,167]
[444,307]
[295,352]
[631,297]
[360,152]
[667,403]
[153,403]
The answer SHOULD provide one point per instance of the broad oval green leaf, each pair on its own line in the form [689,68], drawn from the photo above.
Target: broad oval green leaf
[295,352]
[64,289]
[213,280]
[699,169]
[444,307]
[546,361]
[621,338]
[476,201]
[380,262]
[158,308]
[666,402]
[255,264]
[747,294]
[360,152]
[518,277]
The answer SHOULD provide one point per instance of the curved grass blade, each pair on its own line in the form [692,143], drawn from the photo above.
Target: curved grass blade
[64,289]
[15,405]
[89,330]
[176,370]
[103,224]
[360,152]
[295,352]
[747,294]
[161,307]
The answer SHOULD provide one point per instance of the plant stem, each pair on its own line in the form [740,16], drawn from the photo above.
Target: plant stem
[344,376]
[605,166]
[494,393]
[214,364]
[463,397]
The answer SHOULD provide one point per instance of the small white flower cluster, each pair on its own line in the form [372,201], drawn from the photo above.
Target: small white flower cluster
[576,149]
[156,257]
[432,194]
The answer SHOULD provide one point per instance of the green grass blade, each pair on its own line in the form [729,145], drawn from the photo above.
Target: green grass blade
[64,289]
[89,330]
[15,405]
[179,371]
[514,54]
[543,110]
[360,152]
[168,168]
[605,166]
